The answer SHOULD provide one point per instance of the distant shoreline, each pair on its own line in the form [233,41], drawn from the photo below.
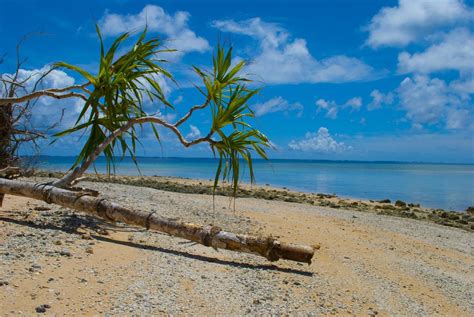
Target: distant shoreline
[271,160]
[463,220]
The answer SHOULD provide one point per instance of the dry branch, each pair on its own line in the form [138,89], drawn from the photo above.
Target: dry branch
[9,171]
[40,93]
[210,236]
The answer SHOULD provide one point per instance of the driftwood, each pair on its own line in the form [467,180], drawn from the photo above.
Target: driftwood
[210,236]
[8,172]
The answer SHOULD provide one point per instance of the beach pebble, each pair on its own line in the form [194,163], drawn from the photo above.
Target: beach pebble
[42,308]
[65,252]
[400,203]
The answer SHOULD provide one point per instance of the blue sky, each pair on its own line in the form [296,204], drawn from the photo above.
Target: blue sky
[346,80]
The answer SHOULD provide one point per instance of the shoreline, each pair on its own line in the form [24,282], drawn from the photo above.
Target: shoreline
[462,220]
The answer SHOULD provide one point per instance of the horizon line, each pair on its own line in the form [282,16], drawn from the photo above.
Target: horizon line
[275,159]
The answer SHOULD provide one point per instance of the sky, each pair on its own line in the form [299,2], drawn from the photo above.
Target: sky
[342,80]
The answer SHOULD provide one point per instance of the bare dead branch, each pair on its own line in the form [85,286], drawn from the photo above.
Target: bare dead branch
[9,170]
[48,92]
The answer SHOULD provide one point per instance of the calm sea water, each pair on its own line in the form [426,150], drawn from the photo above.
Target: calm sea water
[447,186]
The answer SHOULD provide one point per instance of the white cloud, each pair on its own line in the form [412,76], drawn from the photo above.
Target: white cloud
[55,79]
[282,60]
[175,26]
[332,108]
[423,98]
[195,132]
[355,103]
[457,118]
[431,101]
[454,52]
[166,87]
[48,111]
[178,100]
[277,104]
[321,142]
[463,86]
[168,117]
[379,99]
[164,83]
[412,20]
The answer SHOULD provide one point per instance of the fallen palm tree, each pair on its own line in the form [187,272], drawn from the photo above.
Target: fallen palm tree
[114,101]
[210,236]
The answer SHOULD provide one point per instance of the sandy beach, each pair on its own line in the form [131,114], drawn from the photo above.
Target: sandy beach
[64,262]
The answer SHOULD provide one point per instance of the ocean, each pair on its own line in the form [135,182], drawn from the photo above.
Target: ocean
[446,186]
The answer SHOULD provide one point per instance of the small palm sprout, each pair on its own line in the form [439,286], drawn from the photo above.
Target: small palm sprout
[116,95]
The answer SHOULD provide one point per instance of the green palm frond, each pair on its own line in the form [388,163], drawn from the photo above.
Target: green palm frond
[229,107]
[120,88]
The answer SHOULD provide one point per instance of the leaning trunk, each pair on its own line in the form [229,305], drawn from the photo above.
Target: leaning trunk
[210,236]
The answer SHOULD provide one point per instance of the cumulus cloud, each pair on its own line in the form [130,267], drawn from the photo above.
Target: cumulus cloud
[454,52]
[283,60]
[320,142]
[412,20]
[168,117]
[332,108]
[457,118]
[194,133]
[423,98]
[277,104]
[178,100]
[442,30]
[48,111]
[430,101]
[355,102]
[379,100]
[164,83]
[175,27]
[463,86]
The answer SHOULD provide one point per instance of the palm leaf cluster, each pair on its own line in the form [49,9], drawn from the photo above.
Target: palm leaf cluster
[120,89]
[124,83]
[229,95]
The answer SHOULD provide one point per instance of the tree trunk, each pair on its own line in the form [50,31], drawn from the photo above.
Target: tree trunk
[5,138]
[210,236]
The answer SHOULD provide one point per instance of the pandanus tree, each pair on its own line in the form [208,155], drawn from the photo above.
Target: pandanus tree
[114,108]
